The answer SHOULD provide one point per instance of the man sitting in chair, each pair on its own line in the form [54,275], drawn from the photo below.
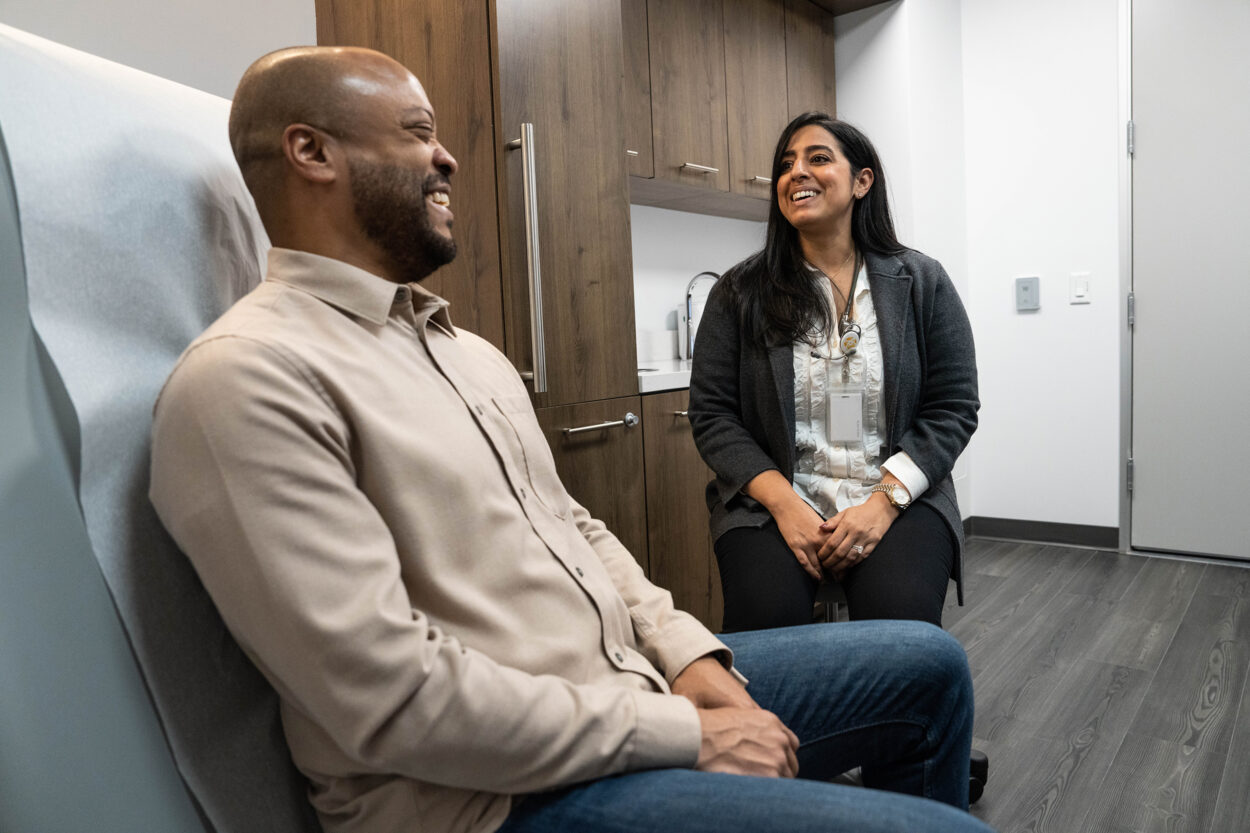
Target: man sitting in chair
[456,644]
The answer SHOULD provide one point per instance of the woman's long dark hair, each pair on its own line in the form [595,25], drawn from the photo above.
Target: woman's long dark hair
[777,300]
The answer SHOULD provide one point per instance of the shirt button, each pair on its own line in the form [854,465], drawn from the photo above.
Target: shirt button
[523,495]
[479,409]
[618,656]
[579,571]
[401,295]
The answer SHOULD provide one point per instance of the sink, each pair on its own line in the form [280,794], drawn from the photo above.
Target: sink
[658,376]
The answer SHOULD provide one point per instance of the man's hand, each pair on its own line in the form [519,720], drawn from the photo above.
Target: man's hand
[747,742]
[707,684]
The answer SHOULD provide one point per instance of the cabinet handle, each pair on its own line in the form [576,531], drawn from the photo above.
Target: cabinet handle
[629,152]
[629,421]
[529,177]
[703,169]
[764,180]
[684,414]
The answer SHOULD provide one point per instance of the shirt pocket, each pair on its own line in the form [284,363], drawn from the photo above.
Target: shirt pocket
[532,454]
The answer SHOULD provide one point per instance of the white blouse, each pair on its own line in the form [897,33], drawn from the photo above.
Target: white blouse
[833,476]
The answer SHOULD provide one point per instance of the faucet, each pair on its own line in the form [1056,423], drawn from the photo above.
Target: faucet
[688,324]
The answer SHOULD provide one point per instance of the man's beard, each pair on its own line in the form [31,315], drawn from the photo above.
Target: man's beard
[392,209]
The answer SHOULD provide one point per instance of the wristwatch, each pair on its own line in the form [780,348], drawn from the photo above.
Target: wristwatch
[896,494]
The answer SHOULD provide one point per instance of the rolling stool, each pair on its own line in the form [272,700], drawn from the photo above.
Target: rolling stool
[830,603]
[831,607]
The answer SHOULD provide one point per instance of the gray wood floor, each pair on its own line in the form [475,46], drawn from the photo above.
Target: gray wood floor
[1111,690]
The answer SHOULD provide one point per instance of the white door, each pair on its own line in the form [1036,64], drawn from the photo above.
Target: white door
[1191,276]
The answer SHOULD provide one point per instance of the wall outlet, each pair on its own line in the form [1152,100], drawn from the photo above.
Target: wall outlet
[1078,288]
[1028,294]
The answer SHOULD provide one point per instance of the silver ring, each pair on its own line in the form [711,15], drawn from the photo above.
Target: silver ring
[859,548]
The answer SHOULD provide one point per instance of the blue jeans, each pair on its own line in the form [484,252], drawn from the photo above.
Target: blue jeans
[894,698]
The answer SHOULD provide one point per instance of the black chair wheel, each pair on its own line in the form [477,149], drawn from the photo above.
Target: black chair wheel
[976,788]
[979,766]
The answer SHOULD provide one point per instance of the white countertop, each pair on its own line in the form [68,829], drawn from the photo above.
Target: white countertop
[673,374]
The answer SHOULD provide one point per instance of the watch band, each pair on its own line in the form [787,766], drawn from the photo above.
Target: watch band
[888,489]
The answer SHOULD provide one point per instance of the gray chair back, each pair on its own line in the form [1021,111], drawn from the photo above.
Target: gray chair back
[125,229]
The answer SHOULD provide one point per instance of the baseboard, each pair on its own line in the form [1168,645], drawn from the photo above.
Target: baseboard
[1077,535]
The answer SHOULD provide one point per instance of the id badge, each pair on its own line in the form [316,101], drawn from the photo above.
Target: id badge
[844,419]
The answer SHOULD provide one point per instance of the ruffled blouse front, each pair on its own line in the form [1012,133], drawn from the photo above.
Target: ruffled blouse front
[832,476]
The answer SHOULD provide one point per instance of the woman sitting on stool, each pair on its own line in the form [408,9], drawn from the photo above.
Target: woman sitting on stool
[833,388]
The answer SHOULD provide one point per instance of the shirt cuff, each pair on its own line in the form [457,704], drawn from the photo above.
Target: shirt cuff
[668,732]
[684,641]
[908,473]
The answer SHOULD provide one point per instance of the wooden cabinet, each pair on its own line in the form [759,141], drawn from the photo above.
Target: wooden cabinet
[719,95]
[646,481]
[809,58]
[490,66]
[603,467]
[560,70]
[638,88]
[679,542]
[455,69]
[755,78]
[543,231]
[688,115]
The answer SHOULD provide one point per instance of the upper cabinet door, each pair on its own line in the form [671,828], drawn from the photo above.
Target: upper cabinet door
[566,228]
[809,58]
[637,88]
[755,79]
[688,92]
[455,70]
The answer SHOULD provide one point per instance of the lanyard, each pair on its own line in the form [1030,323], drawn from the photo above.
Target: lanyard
[848,331]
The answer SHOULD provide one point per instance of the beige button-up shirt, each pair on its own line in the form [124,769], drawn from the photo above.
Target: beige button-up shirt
[367,496]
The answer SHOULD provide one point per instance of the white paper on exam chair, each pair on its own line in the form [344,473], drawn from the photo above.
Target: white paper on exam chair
[137,232]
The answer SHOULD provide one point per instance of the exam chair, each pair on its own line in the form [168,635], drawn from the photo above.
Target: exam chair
[125,229]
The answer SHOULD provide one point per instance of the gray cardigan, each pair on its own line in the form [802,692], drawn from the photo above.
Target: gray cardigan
[742,395]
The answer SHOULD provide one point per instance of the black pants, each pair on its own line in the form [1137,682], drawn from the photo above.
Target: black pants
[904,578]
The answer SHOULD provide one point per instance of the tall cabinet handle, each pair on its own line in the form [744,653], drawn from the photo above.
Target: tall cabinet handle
[529,184]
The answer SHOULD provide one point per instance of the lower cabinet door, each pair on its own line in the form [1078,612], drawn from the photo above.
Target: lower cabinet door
[598,452]
[682,560]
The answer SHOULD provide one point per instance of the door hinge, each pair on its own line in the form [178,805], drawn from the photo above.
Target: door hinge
[1132,310]
[1132,130]
[1129,474]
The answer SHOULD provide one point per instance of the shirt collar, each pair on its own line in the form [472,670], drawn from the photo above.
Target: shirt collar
[354,290]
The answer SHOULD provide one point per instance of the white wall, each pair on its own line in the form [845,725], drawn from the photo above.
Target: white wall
[1043,144]
[200,44]
[998,125]
[670,248]
[873,63]
[900,80]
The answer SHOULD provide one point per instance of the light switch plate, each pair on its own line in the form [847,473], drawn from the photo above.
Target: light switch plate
[1028,294]
[1078,288]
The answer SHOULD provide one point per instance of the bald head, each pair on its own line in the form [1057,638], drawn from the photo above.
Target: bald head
[328,88]
[339,148]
